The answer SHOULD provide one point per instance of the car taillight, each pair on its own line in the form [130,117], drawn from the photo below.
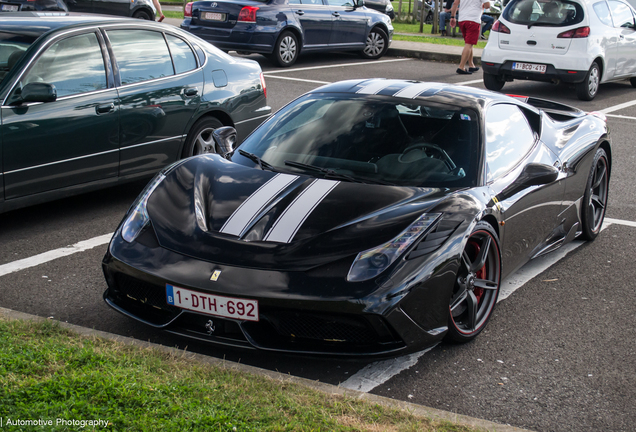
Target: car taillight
[500,28]
[581,32]
[263,84]
[187,12]
[248,14]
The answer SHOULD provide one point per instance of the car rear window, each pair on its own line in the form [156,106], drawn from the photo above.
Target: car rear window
[12,46]
[550,13]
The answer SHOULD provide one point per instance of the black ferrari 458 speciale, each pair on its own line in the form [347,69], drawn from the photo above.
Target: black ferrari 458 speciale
[366,217]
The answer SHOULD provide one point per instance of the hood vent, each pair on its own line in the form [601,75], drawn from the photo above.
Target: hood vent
[434,239]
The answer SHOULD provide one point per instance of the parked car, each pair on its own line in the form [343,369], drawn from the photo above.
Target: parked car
[383,6]
[366,217]
[143,9]
[283,29]
[584,42]
[90,101]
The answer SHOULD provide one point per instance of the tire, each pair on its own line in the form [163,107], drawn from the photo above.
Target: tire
[429,18]
[633,81]
[200,139]
[286,49]
[141,14]
[595,197]
[377,44]
[476,286]
[493,82]
[587,89]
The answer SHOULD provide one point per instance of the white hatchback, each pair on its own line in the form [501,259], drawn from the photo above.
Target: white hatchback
[585,42]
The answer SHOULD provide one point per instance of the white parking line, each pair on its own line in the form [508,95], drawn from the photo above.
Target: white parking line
[620,116]
[297,79]
[469,82]
[618,107]
[335,66]
[45,257]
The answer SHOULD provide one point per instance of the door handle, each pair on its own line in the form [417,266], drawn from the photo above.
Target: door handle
[336,14]
[192,91]
[300,12]
[621,37]
[105,108]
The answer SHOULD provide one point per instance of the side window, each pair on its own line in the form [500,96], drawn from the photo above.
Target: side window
[312,2]
[348,3]
[508,139]
[182,55]
[603,13]
[141,55]
[622,14]
[73,65]
[294,2]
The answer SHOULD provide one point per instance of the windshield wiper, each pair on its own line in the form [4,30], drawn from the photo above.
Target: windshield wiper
[260,162]
[328,172]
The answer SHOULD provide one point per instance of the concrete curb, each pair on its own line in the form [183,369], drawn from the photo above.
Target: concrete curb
[429,55]
[419,410]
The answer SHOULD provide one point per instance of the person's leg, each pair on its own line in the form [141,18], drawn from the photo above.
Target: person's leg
[159,11]
[442,22]
[466,56]
[488,21]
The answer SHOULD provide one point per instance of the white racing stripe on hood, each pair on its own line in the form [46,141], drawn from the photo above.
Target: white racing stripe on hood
[254,204]
[377,86]
[413,91]
[288,224]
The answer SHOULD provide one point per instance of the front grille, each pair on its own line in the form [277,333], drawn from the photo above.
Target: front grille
[140,294]
[323,328]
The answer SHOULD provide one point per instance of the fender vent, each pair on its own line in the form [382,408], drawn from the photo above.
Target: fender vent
[434,239]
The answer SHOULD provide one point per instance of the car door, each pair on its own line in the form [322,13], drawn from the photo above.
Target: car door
[72,140]
[112,7]
[316,21]
[530,214]
[626,28]
[349,26]
[80,5]
[159,92]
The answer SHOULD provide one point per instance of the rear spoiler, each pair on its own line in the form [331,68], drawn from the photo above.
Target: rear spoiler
[557,111]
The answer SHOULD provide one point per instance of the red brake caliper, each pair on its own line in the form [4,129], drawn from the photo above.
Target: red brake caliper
[480,274]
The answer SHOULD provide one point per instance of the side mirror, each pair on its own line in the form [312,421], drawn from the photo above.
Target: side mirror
[38,92]
[359,3]
[225,139]
[533,174]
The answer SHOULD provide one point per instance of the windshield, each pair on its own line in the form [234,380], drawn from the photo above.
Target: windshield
[371,140]
[12,47]
[553,13]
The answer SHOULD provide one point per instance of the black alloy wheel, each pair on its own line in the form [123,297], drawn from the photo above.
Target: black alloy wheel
[493,82]
[632,82]
[595,197]
[200,139]
[477,285]
[140,14]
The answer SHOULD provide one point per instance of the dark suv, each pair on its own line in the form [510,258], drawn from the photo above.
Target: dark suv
[142,9]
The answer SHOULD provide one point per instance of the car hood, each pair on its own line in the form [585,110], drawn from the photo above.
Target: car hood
[219,211]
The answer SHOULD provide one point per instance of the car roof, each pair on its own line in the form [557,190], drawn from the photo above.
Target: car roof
[36,24]
[462,96]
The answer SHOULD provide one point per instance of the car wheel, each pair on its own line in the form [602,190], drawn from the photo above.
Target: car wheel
[200,140]
[595,197]
[633,81]
[377,44]
[286,50]
[429,18]
[476,285]
[587,89]
[493,82]
[140,14]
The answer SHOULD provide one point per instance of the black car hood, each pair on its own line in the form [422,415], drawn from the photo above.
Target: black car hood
[219,211]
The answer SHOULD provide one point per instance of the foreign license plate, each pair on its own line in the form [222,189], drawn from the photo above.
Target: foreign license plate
[209,304]
[213,16]
[10,8]
[530,67]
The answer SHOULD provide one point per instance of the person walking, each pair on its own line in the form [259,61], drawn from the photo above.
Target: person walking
[444,16]
[470,12]
[158,7]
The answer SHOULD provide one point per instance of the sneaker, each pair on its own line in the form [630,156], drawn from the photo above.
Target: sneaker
[473,69]
[463,72]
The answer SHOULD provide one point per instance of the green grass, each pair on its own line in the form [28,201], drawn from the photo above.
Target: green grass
[416,36]
[173,14]
[47,372]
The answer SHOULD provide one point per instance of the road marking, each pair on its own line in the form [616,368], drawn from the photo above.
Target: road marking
[620,116]
[297,79]
[618,107]
[374,374]
[335,66]
[45,257]
[620,222]
[470,82]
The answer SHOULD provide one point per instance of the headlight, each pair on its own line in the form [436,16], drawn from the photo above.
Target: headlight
[372,262]
[389,8]
[138,217]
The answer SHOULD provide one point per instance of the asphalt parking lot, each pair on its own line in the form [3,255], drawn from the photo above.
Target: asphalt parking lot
[558,354]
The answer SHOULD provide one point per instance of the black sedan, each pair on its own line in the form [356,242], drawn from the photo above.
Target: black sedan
[142,9]
[283,29]
[366,217]
[89,102]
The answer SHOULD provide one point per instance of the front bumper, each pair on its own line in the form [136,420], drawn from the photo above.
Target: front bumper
[293,316]
[552,74]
